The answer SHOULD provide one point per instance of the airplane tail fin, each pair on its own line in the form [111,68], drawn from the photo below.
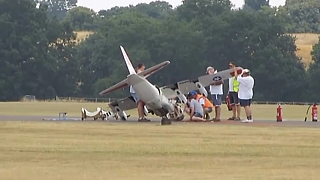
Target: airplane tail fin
[128,62]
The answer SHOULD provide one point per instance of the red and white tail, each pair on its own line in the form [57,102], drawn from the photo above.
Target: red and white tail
[128,62]
[146,73]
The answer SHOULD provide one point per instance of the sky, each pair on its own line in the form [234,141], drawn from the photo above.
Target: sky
[97,5]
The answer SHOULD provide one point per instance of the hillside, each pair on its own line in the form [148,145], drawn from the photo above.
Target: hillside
[304,42]
[82,35]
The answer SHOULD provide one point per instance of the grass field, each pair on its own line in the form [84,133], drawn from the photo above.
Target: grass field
[99,151]
[265,112]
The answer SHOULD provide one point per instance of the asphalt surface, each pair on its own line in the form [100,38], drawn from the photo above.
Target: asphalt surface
[154,120]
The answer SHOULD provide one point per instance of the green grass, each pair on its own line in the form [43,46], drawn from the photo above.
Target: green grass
[266,112]
[99,151]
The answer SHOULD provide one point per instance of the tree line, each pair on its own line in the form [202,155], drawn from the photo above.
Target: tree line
[40,56]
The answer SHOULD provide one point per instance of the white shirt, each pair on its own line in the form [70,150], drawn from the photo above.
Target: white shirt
[201,101]
[231,84]
[131,89]
[216,89]
[245,87]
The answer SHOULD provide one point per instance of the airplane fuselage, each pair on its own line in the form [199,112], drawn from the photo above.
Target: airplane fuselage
[150,95]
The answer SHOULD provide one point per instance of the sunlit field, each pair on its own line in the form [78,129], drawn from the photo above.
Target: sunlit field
[304,43]
[50,150]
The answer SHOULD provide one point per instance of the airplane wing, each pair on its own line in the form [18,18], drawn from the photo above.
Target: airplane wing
[184,87]
[124,104]
[119,85]
[146,73]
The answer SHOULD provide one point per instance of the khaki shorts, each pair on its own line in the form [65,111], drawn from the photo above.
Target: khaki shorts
[208,110]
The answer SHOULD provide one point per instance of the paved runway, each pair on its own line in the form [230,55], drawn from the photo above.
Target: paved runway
[154,120]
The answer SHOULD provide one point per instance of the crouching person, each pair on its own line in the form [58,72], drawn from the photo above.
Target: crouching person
[205,103]
[193,108]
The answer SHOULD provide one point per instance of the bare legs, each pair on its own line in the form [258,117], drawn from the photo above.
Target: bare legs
[140,109]
[236,109]
[193,118]
[248,112]
[218,112]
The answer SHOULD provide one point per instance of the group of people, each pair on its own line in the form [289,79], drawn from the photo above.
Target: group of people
[199,107]
[240,92]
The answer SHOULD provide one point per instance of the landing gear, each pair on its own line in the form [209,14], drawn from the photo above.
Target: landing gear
[165,121]
[180,118]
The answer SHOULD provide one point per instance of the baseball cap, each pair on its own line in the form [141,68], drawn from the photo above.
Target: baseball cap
[210,68]
[193,93]
[246,71]
[231,63]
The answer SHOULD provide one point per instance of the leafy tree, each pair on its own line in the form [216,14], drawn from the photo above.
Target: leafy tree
[43,59]
[311,90]
[155,9]
[304,15]
[101,54]
[29,50]
[255,4]
[82,18]
[202,9]
[253,39]
[58,8]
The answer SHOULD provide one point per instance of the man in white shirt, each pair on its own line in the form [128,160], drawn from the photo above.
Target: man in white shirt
[245,94]
[140,104]
[216,91]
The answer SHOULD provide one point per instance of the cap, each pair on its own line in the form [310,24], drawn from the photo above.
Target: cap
[193,93]
[246,71]
[210,68]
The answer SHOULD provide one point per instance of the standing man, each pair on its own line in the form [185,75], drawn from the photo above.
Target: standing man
[208,89]
[140,104]
[216,91]
[245,94]
[233,95]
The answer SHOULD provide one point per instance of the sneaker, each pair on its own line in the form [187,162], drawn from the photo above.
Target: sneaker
[215,120]
[232,118]
[237,119]
[143,120]
[250,120]
[245,121]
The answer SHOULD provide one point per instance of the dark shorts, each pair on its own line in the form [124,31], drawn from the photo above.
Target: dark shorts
[208,90]
[196,114]
[234,98]
[216,99]
[245,102]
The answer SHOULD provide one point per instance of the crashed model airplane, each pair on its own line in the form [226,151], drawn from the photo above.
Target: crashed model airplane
[156,98]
